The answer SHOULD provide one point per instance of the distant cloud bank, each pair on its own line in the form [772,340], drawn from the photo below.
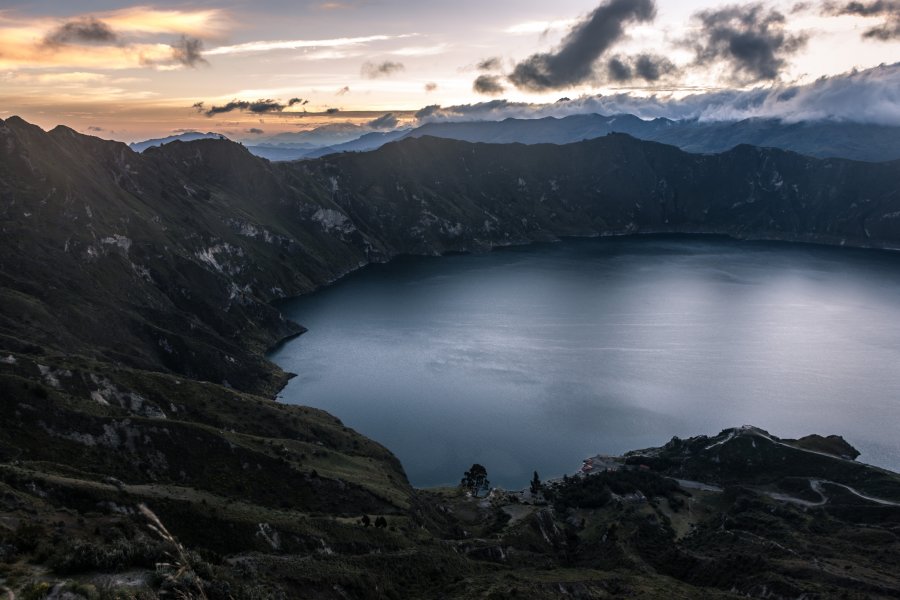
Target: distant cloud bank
[867,96]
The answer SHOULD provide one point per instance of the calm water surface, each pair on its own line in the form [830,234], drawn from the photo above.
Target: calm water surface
[536,357]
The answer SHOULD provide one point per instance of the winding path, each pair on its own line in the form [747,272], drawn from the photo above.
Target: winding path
[817,487]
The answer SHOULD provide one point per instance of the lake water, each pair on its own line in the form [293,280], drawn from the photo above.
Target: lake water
[533,358]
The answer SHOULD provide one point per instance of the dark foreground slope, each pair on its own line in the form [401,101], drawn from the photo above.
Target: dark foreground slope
[135,310]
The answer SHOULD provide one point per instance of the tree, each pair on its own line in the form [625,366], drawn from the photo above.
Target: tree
[365,521]
[475,479]
[380,522]
[536,484]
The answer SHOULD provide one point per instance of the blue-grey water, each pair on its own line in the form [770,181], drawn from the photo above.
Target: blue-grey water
[533,358]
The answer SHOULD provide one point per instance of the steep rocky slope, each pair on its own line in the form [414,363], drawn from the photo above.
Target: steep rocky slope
[170,259]
[136,299]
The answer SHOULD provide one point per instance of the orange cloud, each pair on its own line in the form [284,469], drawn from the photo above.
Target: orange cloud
[23,39]
[209,23]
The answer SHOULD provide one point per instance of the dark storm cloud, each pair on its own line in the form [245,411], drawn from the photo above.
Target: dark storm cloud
[573,62]
[488,84]
[652,67]
[431,86]
[257,107]
[81,31]
[255,131]
[387,121]
[494,63]
[371,70]
[618,69]
[750,39]
[649,67]
[888,10]
[188,52]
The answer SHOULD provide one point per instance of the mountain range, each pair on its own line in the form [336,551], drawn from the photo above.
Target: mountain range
[821,139]
[187,136]
[138,298]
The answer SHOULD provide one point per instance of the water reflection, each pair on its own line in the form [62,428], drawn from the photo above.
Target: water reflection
[531,358]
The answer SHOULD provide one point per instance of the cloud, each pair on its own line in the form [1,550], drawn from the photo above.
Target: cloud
[87,30]
[131,38]
[258,107]
[299,101]
[387,121]
[387,68]
[95,128]
[572,63]
[488,84]
[869,96]
[332,111]
[431,86]
[255,131]
[342,91]
[619,70]
[420,50]
[749,39]
[494,63]
[269,46]
[887,10]
[205,23]
[649,67]
[188,52]
[539,26]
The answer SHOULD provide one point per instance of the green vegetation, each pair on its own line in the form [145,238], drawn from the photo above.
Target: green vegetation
[136,307]
[598,489]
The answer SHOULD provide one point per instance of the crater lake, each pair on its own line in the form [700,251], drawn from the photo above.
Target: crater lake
[532,358]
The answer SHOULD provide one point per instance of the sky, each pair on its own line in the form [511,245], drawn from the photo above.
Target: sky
[253,69]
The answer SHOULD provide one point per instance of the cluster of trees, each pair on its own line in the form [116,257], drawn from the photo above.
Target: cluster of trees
[380,522]
[475,479]
[596,490]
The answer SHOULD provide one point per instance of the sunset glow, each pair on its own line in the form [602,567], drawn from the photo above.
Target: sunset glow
[134,71]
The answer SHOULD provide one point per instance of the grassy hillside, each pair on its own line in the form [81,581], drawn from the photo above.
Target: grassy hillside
[136,306]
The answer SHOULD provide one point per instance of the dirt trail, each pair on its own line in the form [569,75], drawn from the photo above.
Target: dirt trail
[817,487]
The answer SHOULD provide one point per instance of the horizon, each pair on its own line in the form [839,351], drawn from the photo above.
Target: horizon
[130,71]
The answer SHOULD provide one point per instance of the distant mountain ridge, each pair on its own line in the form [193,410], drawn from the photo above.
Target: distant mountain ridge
[820,139]
[188,136]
